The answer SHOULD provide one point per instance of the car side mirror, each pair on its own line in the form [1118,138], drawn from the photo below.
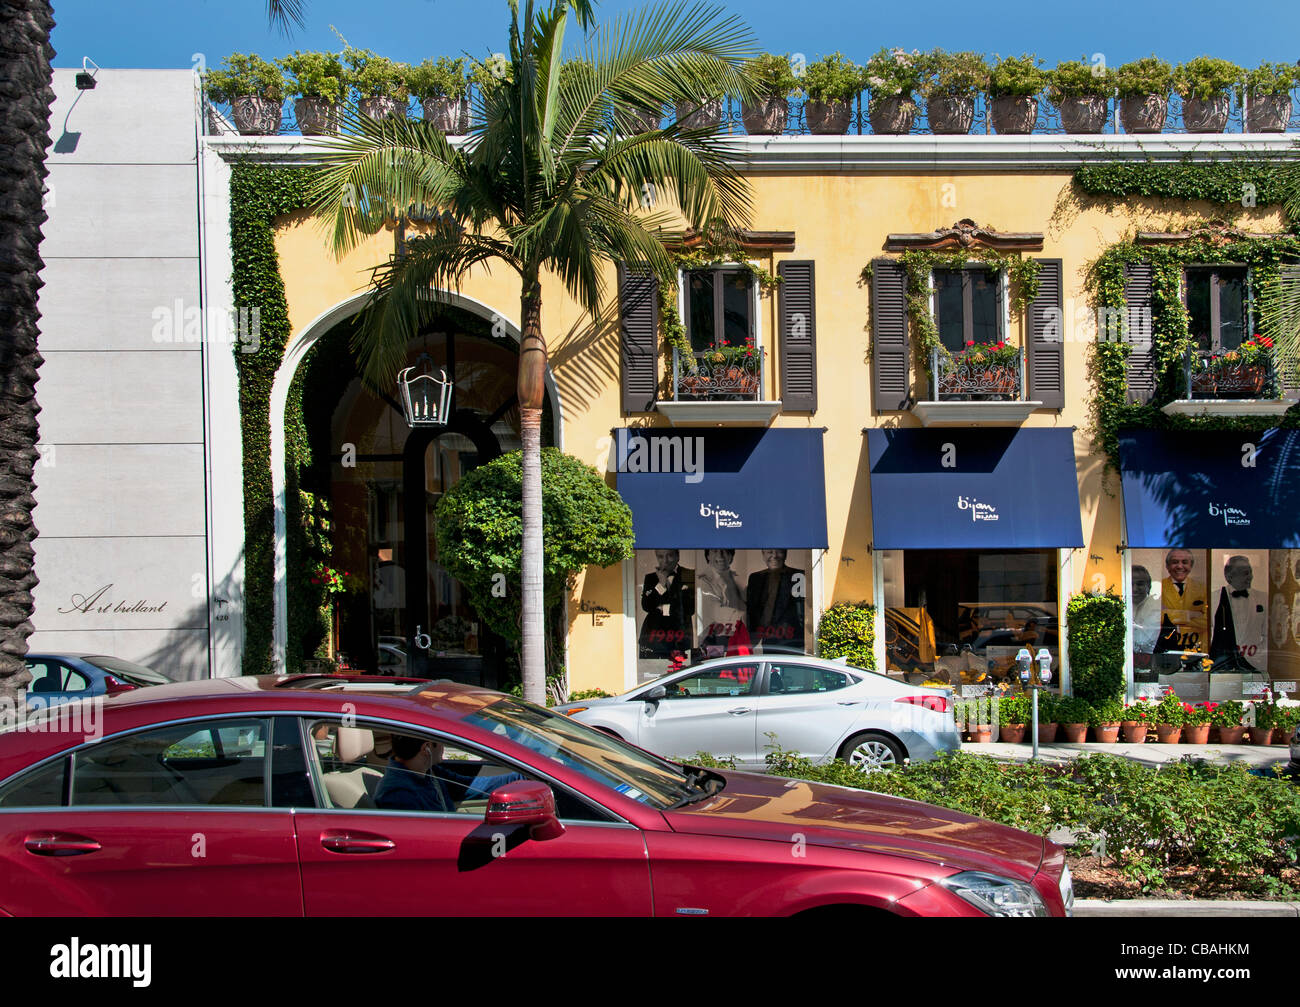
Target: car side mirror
[524,802]
[654,695]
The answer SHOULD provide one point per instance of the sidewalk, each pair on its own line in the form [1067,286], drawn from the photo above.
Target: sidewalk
[1183,907]
[1147,754]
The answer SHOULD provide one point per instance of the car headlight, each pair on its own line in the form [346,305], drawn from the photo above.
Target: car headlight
[995,895]
[1067,891]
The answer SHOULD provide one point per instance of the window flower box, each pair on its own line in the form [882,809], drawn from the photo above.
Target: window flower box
[1243,373]
[981,371]
[720,373]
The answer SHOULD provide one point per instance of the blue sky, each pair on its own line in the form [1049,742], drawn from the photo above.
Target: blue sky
[167,33]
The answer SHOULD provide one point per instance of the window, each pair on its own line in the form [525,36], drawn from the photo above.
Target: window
[732,680]
[967,307]
[41,788]
[54,676]
[719,307]
[1218,306]
[792,679]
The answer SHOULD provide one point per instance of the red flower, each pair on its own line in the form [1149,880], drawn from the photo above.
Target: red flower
[1002,346]
[1268,343]
[970,342]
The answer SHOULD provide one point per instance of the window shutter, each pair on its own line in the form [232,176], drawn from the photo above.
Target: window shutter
[1045,363]
[638,312]
[1139,283]
[889,335]
[1287,366]
[798,336]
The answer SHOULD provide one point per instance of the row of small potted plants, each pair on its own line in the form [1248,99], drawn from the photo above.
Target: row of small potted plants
[949,83]
[1169,721]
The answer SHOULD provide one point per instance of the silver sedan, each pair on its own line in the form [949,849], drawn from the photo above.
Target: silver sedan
[819,709]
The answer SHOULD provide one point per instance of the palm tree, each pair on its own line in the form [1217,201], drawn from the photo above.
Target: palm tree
[1279,304]
[545,184]
[25,100]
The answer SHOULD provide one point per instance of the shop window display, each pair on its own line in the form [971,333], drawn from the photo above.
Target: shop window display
[696,604]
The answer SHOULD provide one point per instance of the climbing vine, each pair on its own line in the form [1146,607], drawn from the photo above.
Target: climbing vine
[1240,181]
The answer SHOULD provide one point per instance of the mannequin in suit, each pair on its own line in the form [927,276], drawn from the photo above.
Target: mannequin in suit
[774,605]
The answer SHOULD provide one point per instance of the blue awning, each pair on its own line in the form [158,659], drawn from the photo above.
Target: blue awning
[974,488]
[708,487]
[1211,489]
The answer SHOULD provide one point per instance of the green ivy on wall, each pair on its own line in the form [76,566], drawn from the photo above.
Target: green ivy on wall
[1171,337]
[1237,181]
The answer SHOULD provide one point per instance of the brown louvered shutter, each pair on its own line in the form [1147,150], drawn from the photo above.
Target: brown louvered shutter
[1045,361]
[798,336]
[1139,282]
[1287,366]
[889,335]
[638,313]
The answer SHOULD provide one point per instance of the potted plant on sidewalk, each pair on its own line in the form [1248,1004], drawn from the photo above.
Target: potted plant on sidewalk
[1143,86]
[954,79]
[892,77]
[1013,714]
[1169,719]
[1081,93]
[766,113]
[443,92]
[1266,94]
[1205,86]
[253,88]
[1196,724]
[379,82]
[1014,85]
[1105,720]
[1265,719]
[1074,715]
[1226,716]
[1047,722]
[831,83]
[319,84]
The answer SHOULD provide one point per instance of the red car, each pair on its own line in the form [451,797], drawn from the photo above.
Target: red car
[330,796]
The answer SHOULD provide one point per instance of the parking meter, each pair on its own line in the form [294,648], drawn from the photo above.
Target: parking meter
[1023,661]
[1044,660]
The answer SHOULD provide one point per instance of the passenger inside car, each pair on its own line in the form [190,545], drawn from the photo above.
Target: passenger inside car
[418,779]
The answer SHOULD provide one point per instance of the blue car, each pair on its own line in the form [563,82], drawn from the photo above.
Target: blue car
[63,678]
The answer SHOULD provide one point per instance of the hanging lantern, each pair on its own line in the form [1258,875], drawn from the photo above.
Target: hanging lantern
[426,399]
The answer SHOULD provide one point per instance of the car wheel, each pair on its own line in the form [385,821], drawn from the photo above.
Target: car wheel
[871,750]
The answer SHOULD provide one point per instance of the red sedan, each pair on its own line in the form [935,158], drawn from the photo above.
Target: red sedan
[329,796]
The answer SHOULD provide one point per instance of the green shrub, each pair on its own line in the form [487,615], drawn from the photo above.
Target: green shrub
[317,75]
[441,78]
[848,629]
[1270,78]
[772,76]
[376,76]
[244,76]
[1079,79]
[1109,711]
[589,694]
[894,73]
[1017,76]
[1204,77]
[1226,714]
[1015,710]
[1074,710]
[954,74]
[1096,627]
[833,78]
[1148,75]
[1169,711]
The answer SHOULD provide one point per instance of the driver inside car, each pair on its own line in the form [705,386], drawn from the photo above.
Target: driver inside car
[417,779]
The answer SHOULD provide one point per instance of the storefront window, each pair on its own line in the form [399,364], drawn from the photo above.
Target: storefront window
[695,604]
[960,616]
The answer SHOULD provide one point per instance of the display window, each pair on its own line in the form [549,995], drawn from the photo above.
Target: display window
[696,604]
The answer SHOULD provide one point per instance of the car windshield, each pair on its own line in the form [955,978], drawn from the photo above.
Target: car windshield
[134,674]
[633,773]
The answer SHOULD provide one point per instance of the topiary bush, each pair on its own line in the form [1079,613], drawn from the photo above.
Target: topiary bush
[1096,628]
[848,629]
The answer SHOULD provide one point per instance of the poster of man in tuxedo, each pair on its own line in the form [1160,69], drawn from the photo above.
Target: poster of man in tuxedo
[774,603]
[1239,639]
[667,606]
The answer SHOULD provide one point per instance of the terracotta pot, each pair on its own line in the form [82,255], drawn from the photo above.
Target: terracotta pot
[1143,113]
[1016,114]
[1084,114]
[950,116]
[1196,734]
[1260,735]
[828,118]
[704,115]
[316,116]
[1075,733]
[1047,733]
[1231,735]
[1012,734]
[1268,113]
[256,116]
[1206,116]
[981,733]
[1106,734]
[765,118]
[892,116]
[1168,734]
[1280,736]
[449,115]
[382,108]
[1135,732]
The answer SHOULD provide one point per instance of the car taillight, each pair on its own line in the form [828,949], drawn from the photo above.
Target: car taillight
[112,686]
[939,704]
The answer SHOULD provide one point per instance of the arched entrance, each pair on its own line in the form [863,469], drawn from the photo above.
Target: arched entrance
[400,611]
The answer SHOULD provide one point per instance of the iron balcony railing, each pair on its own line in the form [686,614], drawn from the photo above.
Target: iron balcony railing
[708,376]
[964,380]
[1208,375]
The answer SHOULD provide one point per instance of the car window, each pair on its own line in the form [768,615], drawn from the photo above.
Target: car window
[216,763]
[368,767]
[54,676]
[128,671]
[40,788]
[729,680]
[787,679]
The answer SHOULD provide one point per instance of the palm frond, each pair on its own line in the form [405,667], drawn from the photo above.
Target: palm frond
[286,14]
[1279,310]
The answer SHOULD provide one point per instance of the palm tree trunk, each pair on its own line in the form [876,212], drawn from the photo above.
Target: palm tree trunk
[532,391]
[25,99]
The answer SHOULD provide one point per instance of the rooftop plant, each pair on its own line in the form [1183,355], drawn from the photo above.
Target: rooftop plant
[1080,79]
[954,74]
[1204,78]
[376,76]
[772,76]
[1269,78]
[1016,76]
[440,78]
[833,78]
[316,75]
[896,73]
[245,75]
[1148,75]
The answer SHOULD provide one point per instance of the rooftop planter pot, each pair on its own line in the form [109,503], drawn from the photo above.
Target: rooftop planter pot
[1203,84]
[448,115]
[892,116]
[443,92]
[380,84]
[319,84]
[1144,86]
[952,81]
[705,114]
[831,84]
[892,76]
[1266,94]
[766,116]
[255,90]
[1081,92]
[766,112]
[1014,85]
[316,116]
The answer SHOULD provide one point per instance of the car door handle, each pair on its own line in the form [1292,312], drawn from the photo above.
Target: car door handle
[355,842]
[848,702]
[740,710]
[60,844]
